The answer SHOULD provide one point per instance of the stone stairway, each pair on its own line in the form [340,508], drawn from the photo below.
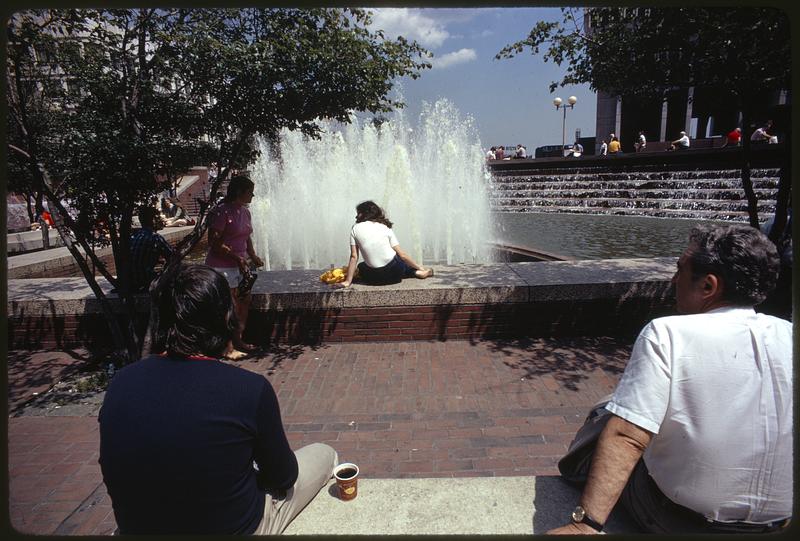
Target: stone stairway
[198,192]
[713,194]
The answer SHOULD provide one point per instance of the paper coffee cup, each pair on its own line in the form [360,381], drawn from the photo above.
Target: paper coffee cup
[346,475]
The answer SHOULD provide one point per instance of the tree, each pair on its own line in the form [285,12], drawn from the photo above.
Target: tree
[107,107]
[649,52]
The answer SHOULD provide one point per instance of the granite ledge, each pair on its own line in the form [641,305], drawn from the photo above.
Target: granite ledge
[496,283]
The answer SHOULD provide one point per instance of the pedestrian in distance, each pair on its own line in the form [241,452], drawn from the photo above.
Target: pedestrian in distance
[641,142]
[681,143]
[147,250]
[733,137]
[614,147]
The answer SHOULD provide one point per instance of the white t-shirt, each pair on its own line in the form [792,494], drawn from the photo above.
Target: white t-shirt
[375,242]
[683,141]
[715,389]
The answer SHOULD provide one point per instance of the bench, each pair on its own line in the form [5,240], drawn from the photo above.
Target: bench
[457,506]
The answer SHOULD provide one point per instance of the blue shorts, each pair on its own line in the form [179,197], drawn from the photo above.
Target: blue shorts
[392,273]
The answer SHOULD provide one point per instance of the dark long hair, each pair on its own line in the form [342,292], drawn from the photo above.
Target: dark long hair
[196,314]
[368,211]
[237,186]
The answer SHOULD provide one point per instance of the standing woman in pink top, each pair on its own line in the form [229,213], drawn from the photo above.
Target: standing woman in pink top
[229,245]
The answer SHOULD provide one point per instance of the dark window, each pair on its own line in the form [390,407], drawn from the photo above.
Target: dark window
[46,53]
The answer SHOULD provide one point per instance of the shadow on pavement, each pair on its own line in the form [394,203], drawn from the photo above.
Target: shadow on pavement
[567,359]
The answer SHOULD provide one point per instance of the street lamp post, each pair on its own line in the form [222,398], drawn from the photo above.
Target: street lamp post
[571,101]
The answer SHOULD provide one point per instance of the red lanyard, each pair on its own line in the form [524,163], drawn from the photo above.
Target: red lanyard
[193,357]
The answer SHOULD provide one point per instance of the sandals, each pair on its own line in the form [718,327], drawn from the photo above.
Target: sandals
[235,355]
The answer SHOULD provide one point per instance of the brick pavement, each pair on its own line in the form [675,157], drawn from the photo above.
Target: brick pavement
[398,409]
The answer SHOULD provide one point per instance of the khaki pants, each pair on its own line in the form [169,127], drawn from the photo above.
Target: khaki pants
[315,465]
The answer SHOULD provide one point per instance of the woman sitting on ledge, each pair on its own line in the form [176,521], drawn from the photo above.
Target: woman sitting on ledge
[384,262]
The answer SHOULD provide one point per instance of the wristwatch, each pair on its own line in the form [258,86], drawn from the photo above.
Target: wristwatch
[579,515]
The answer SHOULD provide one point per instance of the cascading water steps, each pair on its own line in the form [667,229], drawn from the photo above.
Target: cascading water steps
[713,194]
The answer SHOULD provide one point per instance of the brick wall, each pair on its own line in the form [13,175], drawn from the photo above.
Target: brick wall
[459,322]
[442,322]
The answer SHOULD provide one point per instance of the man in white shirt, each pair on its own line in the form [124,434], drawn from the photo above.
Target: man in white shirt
[641,142]
[762,133]
[681,143]
[699,434]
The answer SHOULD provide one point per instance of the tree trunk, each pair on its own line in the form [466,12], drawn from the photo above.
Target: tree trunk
[747,183]
[784,192]
[120,246]
[117,336]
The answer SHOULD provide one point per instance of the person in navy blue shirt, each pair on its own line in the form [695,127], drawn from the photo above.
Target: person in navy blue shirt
[191,445]
[147,249]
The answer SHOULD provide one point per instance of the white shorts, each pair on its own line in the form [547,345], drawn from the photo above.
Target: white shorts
[232,274]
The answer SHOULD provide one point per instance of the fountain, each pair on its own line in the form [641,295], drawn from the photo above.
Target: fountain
[707,194]
[431,181]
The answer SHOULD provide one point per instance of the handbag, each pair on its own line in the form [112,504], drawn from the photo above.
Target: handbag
[334,275]
[246,283]
[574,466]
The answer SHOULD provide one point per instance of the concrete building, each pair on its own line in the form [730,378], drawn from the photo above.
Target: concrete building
[697,111]
[701,112]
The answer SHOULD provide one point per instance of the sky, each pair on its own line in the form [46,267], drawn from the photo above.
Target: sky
[509,99]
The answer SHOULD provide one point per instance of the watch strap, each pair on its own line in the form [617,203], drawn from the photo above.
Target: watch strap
[589,521]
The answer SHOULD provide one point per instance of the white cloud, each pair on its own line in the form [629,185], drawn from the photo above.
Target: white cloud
[411,24]
[486,33]
[452,59]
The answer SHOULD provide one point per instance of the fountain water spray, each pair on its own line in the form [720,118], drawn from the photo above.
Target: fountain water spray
[431,181]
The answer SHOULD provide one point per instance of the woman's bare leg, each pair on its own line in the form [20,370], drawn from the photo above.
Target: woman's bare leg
[242,306]
[419,271]
[237,348]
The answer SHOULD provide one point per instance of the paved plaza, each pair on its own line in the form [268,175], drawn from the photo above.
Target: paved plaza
[422,409]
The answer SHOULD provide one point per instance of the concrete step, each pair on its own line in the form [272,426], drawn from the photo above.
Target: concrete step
[689,214]
[454,506]
[27,241]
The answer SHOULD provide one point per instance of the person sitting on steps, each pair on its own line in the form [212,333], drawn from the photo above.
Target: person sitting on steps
[681,143]
[193,445]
